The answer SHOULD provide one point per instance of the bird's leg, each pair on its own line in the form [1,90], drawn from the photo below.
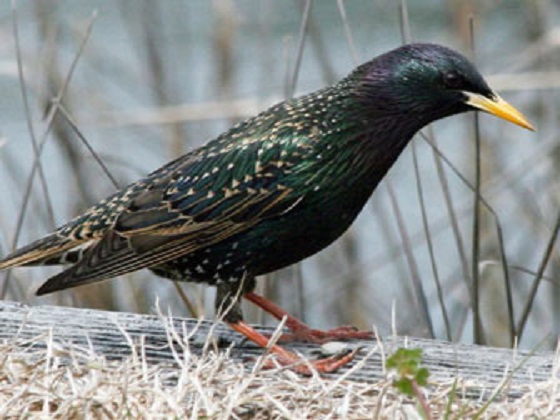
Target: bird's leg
[289,359]
[301,331]
[229,308]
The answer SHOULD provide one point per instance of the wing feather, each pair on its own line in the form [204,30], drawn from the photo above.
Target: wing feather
[45,248]
[120,253]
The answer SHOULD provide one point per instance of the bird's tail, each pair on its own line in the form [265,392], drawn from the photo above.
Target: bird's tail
[52,249]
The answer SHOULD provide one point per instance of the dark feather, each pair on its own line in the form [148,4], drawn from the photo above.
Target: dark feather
[50,247]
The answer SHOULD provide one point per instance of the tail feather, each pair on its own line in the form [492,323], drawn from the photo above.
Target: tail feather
[91,266]
[47,250]
[65,280]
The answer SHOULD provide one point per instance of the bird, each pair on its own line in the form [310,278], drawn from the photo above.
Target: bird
[271,191]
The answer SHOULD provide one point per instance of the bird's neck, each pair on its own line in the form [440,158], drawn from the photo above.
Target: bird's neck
[367,148]
[347,143]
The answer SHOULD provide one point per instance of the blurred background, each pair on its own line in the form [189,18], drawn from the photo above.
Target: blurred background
[153,80]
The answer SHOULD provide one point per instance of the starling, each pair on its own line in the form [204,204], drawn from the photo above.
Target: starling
[271,191]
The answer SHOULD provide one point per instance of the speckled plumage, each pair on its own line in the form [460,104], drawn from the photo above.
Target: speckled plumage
[269,192]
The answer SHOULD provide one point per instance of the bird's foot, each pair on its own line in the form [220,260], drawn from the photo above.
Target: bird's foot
[289,359]
[307,367]
[302,332]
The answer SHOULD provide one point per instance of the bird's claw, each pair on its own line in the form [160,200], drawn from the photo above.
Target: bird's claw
[311,335]
[308,367]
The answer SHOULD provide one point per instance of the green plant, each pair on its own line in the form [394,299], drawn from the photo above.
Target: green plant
[410,377]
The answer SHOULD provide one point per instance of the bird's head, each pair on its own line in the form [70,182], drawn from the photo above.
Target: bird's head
[426,82]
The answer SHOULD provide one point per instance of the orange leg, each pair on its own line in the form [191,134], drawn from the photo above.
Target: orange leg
[301,331]
[286,358]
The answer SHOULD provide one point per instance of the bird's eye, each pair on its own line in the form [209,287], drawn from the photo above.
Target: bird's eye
[452,80]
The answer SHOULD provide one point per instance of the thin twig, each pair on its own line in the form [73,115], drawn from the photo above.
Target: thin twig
[406,35]
[536,283]
[184,297]
[429,243]
[347,31]
[31,129]
[86,143]
[477,326]
[301,43]
[448,199]
[417,287]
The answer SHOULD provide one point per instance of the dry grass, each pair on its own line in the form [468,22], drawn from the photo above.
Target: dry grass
[44,378]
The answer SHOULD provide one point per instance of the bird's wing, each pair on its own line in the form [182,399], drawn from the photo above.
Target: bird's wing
[68,242]
[203,201]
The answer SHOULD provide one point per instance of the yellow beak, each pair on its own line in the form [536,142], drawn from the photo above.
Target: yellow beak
[498,107]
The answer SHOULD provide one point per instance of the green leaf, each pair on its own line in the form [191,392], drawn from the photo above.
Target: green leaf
[422,376]
[404,386]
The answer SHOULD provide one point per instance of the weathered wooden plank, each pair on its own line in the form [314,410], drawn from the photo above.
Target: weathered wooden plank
[110,334]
